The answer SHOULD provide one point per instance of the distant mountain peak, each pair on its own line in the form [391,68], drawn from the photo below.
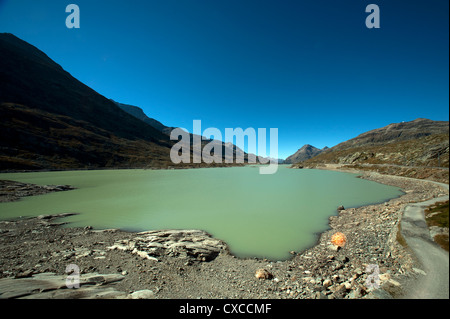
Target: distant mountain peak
[306,152]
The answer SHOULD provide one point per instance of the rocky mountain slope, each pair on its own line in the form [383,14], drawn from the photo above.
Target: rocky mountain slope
[304,153]
[418,149]
[421,142]
[50,120]
[29,77]
[397,132]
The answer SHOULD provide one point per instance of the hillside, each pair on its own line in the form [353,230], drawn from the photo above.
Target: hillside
[418,148]
[397,132]
[32,139]
[50,120]
[29,77]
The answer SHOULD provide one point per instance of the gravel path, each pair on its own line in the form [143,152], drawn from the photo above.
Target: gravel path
[434,283]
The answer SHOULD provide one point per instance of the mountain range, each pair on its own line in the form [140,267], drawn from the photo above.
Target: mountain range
[50,120]
[234,150]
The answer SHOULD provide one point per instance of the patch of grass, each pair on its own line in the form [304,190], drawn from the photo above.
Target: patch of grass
[437,214]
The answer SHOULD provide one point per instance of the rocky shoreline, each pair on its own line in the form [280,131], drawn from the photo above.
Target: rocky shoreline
[178,264]
[11,191]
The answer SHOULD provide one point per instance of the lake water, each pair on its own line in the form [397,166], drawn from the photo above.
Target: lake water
[256,215]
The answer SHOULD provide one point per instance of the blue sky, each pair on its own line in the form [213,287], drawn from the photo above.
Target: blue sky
[309,68]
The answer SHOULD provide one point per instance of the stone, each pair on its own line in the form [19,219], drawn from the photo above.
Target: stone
[320,295]
[334,247]
[263,274]
[142,294]
[327,283]
[196,244]
[339,239]
[143,254]
[378,294]
[394,282]
[49,286]
[420,271]
[119,246]
[384,277]
[354,294]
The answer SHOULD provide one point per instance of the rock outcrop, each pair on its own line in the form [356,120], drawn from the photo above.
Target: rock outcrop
[196,244]
[11,190]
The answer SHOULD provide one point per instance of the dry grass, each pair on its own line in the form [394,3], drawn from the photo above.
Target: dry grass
[437,215]
[442,240]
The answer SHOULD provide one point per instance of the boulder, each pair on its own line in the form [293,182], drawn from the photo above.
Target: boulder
[196,244]
[142,294]
[327,283]
[263,274]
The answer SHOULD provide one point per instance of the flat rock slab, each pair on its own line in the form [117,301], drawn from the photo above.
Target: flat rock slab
[195,244]
[12,191]
[52,286]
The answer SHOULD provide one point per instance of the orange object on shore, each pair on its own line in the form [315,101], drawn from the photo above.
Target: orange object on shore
[339,239]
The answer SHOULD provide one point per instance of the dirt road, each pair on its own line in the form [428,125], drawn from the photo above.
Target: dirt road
[434,283]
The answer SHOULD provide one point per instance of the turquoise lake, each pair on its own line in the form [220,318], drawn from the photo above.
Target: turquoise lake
[256,215]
